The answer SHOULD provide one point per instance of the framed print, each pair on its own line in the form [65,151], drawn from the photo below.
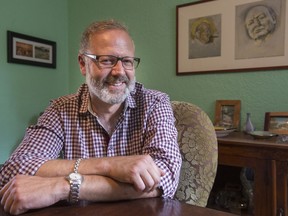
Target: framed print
[25,49]
[227,113]
[230,36]
[276,122]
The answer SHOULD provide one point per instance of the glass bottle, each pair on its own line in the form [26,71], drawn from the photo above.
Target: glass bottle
[248,127]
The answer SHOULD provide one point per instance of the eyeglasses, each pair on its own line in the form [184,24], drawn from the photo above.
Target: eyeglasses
[109,61]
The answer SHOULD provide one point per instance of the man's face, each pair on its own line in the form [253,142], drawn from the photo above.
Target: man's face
[203,33]
[259,22]
[110,85]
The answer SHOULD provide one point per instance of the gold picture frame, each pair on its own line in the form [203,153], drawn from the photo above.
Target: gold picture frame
[276,122]
[227,113]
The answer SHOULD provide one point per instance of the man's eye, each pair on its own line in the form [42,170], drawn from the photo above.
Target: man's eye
[128,61]
[250,22]
[106,61]
[261,16]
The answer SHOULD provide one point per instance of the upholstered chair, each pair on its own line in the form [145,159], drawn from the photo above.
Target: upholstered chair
[199,149]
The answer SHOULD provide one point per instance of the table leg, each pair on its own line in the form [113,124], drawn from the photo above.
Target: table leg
[263,189]
[281,190]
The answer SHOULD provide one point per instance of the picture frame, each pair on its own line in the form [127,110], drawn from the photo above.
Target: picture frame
[29,50]
[227,113]
[276,122]
[216,36]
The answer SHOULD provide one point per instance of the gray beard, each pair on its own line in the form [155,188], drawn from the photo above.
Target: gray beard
[100,90]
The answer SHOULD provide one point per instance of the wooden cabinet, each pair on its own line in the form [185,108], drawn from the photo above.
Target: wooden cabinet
[269,160]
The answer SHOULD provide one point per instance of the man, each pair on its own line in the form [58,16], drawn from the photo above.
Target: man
[204,30]
[260,22]
[117,138]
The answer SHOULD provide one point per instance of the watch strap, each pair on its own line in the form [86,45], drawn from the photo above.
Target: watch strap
[74,191]
[75,184]
[76,165]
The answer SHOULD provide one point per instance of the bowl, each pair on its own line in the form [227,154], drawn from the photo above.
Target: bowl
[262,134]
[222,131]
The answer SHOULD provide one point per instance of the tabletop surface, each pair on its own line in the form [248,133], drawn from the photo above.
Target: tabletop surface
[240,138]
[141,207]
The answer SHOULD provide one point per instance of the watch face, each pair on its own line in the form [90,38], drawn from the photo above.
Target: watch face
[75,176]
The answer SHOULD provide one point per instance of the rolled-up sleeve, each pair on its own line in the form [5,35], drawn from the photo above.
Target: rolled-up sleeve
[161,144]
[40,143]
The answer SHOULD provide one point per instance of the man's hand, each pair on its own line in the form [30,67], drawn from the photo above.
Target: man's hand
[31,192]
[139,170]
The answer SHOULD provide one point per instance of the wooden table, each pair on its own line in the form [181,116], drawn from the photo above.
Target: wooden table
[141,207]
[268,158]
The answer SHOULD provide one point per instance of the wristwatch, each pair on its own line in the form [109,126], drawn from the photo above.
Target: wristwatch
[75,179]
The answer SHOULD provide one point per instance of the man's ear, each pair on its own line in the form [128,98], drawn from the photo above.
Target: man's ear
[82,63]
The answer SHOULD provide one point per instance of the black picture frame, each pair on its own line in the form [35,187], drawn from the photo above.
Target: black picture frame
[29,50]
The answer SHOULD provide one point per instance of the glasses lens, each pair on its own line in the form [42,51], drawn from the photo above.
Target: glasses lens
[107,61]
[128,62]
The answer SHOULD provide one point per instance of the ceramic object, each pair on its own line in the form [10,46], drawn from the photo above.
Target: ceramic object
[224,132]
[248,127]
[262,134]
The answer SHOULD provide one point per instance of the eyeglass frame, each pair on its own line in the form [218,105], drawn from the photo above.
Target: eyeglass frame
[95,59]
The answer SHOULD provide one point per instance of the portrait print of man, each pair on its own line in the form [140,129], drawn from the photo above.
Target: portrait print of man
[205,37]
[260,22]
[260,29]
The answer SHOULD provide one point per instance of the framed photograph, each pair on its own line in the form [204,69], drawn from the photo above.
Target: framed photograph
[276,122]
[25,49]
[229,36]
[227,113]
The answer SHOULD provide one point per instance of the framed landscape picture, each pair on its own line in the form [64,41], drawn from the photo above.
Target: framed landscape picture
[29,50]
[276,122]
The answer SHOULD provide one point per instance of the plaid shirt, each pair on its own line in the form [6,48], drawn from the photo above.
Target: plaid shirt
[146,126]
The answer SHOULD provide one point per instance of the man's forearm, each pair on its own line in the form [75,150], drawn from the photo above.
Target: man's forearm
[61,167]
[56,168]
[100,188]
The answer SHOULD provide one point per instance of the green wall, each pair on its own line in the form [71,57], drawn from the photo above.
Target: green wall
[25,90]
[153,26]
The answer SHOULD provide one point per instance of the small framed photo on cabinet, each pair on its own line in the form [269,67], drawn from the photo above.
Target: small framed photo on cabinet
[227,113]
[276,122]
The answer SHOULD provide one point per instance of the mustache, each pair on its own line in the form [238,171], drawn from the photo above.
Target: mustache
[113,79]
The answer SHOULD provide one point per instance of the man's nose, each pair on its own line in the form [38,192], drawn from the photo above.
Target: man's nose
[118,67]
[257,20]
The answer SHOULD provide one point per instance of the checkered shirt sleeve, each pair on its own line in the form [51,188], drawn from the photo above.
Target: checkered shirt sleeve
[161,143]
